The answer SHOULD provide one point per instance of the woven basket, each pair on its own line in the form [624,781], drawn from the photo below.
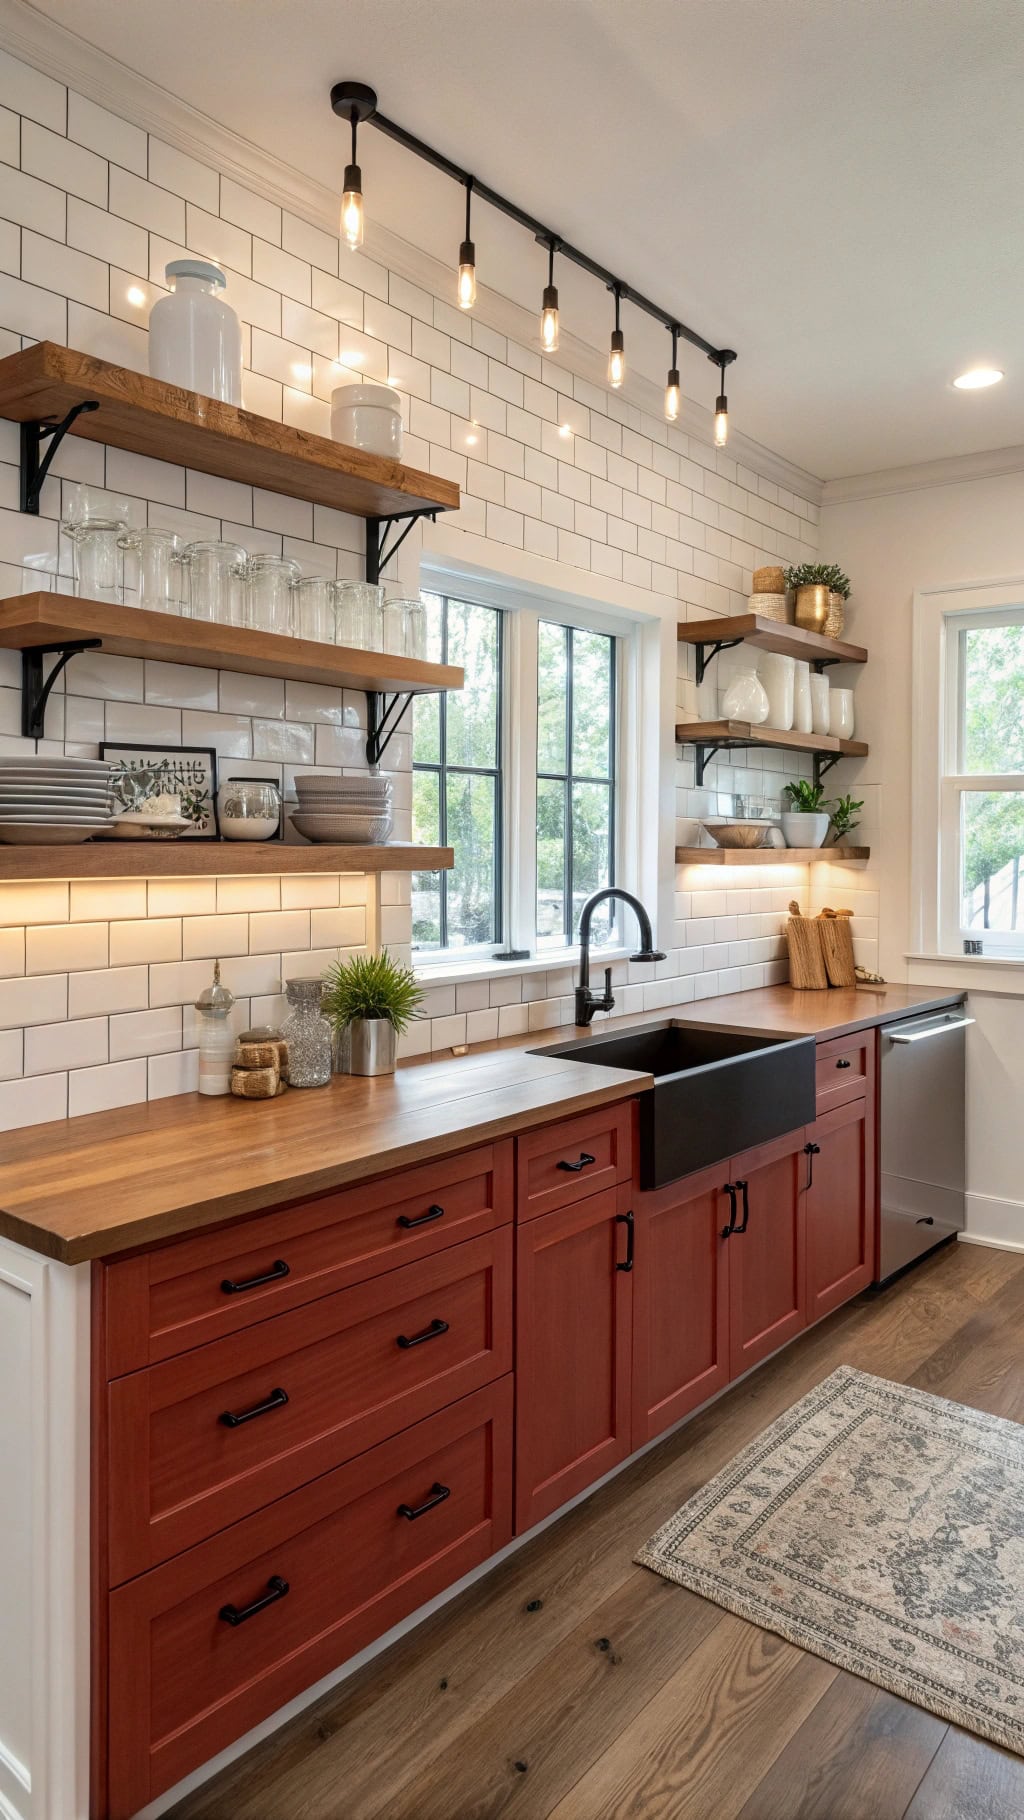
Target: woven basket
[837,947]
[836,621]
[806,966]
[770,580]
[771,606]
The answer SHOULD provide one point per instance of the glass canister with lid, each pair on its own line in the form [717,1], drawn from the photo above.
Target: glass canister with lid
[314,608]
[308,1035]
[152,569]
[214,573]
[360,608]
[405,628]
[249,808]
[269,593]
[96,522]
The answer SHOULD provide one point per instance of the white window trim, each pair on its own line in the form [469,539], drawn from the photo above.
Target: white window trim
[524,607]
[940,614]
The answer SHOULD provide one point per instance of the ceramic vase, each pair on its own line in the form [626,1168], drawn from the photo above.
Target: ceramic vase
[840,713]
[802,720]
[813,603]
[746,699]
[819,704]
[777,675]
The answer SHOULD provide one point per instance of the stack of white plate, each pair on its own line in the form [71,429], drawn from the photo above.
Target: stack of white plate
[345,810]
[53,801]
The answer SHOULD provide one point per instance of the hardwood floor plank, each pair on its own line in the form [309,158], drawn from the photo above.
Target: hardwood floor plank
[859,1756]
[703,1743]
[975,1364]
[970,1779]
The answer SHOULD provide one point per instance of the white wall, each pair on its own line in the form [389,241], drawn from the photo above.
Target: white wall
[891,544]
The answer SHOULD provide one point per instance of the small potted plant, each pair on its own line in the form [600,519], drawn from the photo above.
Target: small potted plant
[843,819]
[371,1000]
[822,591]
[806,822]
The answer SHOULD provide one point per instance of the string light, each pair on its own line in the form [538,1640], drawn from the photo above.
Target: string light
[467,260]
[549,306]
[617,351]
[673,396]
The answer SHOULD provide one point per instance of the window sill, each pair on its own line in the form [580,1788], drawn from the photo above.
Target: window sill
[978,973]
[459,973]
[971,960]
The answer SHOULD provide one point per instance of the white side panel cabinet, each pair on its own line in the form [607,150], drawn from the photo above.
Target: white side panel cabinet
[44,1537]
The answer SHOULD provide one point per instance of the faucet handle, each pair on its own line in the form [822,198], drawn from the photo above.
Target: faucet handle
[608,999]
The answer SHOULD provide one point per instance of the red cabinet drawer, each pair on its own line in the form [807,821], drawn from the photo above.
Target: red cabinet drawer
[305,1391]
[564,1163]
[185,1682]
[844,1069]
[169,1299]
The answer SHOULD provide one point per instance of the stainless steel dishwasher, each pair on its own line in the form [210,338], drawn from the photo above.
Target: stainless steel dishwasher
[923,1135]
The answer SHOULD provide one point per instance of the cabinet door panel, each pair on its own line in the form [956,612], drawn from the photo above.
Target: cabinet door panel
[574,1331]
[680,1300]
[767,1286]
[841,1207]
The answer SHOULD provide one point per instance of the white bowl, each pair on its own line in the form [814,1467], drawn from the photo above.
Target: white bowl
[136,826]
[345,830]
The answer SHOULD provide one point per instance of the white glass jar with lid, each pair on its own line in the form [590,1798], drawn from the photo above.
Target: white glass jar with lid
[368,417]
[195,338]
[216,1037]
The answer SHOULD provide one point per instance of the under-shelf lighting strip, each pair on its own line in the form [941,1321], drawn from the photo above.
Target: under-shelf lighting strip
[356,103]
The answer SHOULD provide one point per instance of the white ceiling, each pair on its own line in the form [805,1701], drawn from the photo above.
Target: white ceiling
[831,188]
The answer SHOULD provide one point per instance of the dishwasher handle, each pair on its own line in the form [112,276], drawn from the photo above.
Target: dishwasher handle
[923,1036]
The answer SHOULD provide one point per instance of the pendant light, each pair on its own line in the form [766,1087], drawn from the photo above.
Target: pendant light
[673,396]
[721,413]
[549,306]
[467,260]
[354,102]
[617,351]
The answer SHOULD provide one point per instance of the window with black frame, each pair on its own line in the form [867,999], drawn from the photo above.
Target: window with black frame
[457,782]
[575,780]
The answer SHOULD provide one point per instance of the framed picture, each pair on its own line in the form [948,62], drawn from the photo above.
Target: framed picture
[190,772]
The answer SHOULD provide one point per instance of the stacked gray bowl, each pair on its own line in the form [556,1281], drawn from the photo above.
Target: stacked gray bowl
[344,811]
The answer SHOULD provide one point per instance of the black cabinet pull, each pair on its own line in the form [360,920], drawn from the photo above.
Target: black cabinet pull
[276,1400]
[627,1220]
[276,1589]
[742,1227]
[574,1168]
[438,1494]
[276,1271]
[810,1152]
[843,1063]
[422,1219]
[729,1188]
[432,1332]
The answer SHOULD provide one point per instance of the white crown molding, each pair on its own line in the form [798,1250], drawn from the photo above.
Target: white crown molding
[70,59]
[949,471]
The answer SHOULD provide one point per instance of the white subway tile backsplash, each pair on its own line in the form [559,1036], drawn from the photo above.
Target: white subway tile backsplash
[158,938]
[34,1100]
[135,1033]
[33,1001]
[101,1089]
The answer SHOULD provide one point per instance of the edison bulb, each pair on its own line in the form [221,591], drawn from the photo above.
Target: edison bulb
[673,397]
[721,424]
[549,320]
[617,360]
[467,286]
[352,210]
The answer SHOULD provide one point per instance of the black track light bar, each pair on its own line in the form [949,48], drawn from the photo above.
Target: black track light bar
[721,357]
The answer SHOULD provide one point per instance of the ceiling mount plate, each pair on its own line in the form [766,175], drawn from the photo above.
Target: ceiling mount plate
[349,97]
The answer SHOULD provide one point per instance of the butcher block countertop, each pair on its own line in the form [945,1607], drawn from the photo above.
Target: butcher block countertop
[92,1187]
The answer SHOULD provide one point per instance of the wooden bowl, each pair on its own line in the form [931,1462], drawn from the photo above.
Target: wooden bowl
[738,834]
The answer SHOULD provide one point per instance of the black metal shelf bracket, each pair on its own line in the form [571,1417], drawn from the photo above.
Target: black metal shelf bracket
[706,652]
[378,551]
[702,758]
[34,466]
[823,761]
[35,691]
[383,714]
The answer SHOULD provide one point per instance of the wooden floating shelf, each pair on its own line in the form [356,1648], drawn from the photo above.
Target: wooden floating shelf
[57,619]
[770,635]
[734,733]
[768,856]
[223,859]
[168,423]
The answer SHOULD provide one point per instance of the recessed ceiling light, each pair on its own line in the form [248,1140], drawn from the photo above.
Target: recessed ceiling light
[976,378]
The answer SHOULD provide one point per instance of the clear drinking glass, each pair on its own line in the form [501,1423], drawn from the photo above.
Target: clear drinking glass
[152,569]
[314,608]
[359,607]
[215,573]
[95,520]
[395,621]
[416,630]
[269,592]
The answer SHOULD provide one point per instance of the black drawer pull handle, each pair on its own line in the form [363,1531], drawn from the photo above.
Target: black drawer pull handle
[742,1227]
[729,1188]
[810,1152]
[843,1063]
[627,1220]
[273,1275]
[438,1494]
[574,1168]
[422,1219]
[276,1589]
[276,1400]
[432,1332]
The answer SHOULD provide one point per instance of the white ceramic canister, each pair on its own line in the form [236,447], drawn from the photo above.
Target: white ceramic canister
[802,712]
[840,713]
[195,338]
[777,675]
[746,698]
[249,808]
[819,704]
[368,417]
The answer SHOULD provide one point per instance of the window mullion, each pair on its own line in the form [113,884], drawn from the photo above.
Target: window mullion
[520,730]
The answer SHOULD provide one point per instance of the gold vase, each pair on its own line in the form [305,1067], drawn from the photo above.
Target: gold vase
[835,624]
[812,606]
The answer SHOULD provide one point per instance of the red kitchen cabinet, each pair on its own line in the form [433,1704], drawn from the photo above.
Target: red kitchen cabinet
[767,1262]
[680,1300]
[573,1347]
[840,1206]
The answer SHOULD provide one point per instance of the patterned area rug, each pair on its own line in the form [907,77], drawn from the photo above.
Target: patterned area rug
[883,1529]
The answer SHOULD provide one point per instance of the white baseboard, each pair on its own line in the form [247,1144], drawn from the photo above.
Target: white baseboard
[995,1222]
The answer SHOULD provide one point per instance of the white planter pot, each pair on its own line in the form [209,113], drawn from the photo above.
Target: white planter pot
[803,830]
